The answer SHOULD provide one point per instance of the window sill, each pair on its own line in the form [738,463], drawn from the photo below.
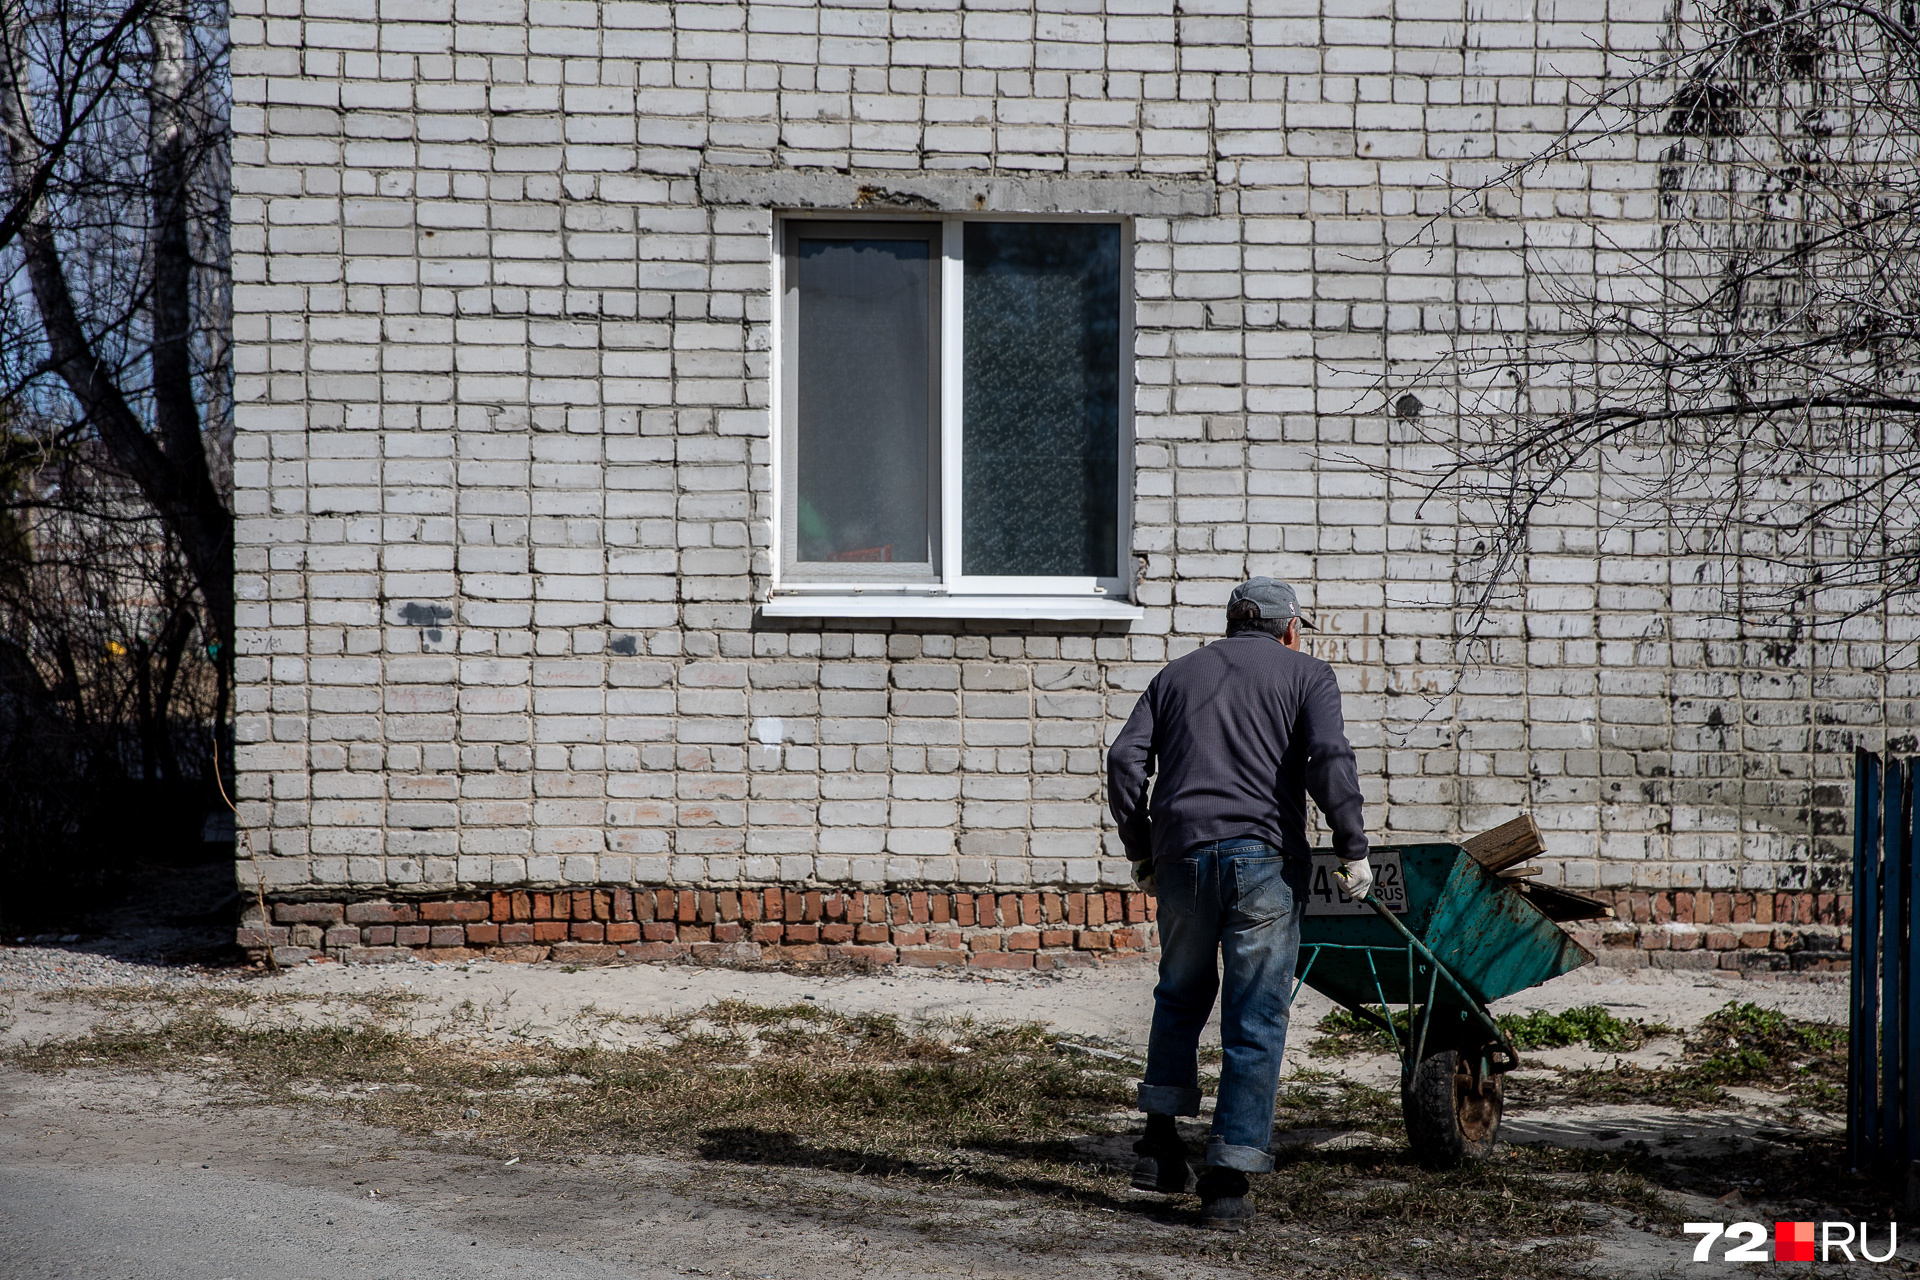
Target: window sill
[880,604]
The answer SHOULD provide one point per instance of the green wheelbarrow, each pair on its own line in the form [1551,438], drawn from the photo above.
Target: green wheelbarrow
[1443,936]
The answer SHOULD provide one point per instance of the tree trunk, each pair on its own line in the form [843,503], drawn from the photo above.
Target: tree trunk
[174,478]
[171,648]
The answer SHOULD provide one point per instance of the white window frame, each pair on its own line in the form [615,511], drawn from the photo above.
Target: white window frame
[951,594]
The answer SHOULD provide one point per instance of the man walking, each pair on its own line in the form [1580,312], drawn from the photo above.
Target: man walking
[1239,732]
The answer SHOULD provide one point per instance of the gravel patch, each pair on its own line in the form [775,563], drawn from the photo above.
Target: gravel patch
[56,968]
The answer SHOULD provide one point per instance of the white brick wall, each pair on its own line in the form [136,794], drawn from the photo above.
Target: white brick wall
[498,357]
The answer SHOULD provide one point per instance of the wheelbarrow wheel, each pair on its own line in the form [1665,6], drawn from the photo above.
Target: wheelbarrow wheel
[1452,1112]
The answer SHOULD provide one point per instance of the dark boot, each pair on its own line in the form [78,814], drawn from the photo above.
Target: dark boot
[1226,1199]
[1162,1165]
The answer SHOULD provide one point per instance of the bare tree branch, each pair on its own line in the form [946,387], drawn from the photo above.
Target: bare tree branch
[169,465]
[74,113]
[1747,383]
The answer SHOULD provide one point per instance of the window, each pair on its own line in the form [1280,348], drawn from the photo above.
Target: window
[952,418]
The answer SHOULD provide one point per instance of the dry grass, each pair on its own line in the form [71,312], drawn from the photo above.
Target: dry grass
[734,1076]
[977,1108]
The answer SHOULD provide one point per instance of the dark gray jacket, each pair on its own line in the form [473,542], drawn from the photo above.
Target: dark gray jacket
[1239,731]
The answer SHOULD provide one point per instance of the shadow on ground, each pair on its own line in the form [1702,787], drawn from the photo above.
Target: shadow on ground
[998,1166]
[152,913]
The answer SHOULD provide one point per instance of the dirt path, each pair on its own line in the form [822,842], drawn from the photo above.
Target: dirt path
[1114,1003]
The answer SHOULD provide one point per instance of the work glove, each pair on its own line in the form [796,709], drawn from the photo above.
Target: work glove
[1143,875]
[1356,878]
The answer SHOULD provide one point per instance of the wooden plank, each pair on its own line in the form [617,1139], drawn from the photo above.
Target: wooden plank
[1863,1075]
[1893,866]
[1517,873]
[1561,905]
[1910,948]
[1506,844]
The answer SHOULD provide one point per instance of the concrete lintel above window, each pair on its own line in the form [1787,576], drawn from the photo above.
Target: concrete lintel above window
[881,604]
[918,191]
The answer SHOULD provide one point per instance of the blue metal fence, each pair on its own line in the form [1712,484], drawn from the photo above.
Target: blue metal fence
[1883,1055]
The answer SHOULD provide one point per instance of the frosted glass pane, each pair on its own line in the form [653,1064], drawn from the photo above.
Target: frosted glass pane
[863,356]
[1041,441]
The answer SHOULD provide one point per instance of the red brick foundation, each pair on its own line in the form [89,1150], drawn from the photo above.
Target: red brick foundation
[1756,933]
[1042,930]
[1740,931]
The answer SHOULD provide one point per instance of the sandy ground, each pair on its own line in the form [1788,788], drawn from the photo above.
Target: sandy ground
[1113,1004]
[105,1176]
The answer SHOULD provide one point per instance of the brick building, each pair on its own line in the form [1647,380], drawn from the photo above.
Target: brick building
[715,474]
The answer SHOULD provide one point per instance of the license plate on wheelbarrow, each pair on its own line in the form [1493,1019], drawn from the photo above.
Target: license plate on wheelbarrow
[1389,886]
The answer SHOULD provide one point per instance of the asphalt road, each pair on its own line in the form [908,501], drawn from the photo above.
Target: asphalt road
[168,1223]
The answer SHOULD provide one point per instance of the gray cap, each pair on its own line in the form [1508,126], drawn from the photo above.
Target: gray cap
[1272,600]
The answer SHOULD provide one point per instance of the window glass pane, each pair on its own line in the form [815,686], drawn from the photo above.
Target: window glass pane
[1040,454]
[863,356]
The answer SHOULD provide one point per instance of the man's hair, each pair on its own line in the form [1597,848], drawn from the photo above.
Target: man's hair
[1243,616]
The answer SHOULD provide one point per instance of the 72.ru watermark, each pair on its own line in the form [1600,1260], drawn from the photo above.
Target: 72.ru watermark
[1792,1241]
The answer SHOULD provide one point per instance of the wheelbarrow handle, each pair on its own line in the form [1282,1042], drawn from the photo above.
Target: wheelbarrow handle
[1506,1046]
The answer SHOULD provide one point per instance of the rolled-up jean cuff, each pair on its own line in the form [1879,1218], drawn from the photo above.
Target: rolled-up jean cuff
[1247,1159]
[1169,1100]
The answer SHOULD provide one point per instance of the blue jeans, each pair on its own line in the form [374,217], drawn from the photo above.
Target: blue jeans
[1242,900]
